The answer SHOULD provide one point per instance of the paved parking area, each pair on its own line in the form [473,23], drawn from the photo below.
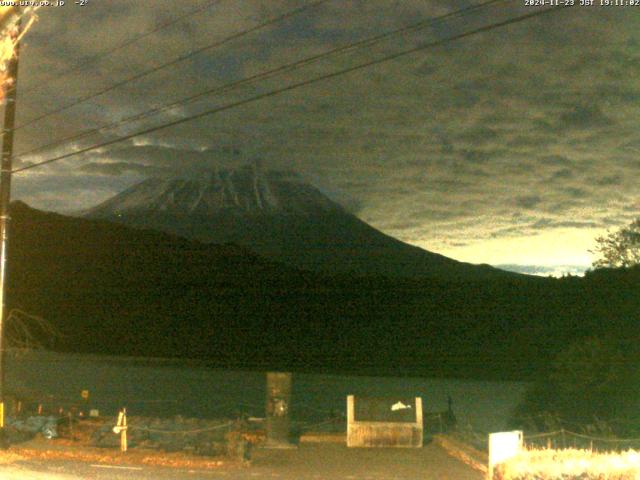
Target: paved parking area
[308,462]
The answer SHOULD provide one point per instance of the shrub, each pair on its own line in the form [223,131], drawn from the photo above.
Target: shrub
[570,464]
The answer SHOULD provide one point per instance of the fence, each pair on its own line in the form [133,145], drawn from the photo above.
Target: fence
[25,402]
[563,438]
[598,435]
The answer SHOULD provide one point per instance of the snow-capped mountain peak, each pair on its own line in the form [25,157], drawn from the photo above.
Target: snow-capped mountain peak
[246,190]
[277,215]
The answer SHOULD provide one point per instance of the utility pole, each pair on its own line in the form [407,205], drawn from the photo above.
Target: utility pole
[5,198]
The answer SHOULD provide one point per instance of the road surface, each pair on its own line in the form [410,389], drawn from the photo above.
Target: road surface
[308,462]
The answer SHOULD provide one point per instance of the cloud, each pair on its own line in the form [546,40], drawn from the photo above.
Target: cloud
[608,180]
[519,131]
[577,224]
[576,192]
[546,271]
[562,174]
[528,201]
[555,160]
[583,116]
[160,159]
[115,168]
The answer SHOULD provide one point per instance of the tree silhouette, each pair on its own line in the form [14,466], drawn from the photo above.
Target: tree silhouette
[592,383]
[620,248]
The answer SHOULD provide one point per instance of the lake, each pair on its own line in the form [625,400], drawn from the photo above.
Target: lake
[157,387]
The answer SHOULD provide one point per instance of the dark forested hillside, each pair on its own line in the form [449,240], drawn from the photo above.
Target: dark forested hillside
[113,289]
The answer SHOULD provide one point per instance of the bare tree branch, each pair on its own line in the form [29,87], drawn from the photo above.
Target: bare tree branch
[27,331]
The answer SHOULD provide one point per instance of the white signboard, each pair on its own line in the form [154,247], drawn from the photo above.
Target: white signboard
[502,447]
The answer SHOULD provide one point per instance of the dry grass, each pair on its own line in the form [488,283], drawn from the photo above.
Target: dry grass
[7,457]
[76,444]
[67,450]
[571,464]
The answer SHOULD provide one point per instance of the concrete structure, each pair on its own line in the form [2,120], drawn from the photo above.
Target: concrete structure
[277,423]
[384,422]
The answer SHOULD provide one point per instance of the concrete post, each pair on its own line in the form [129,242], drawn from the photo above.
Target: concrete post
[277,410]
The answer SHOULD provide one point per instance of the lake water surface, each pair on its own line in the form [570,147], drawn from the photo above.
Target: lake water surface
[166,388]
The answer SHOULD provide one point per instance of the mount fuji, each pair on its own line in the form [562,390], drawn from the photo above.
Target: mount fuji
[279,216]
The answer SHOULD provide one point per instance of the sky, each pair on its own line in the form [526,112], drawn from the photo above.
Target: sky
[514,147]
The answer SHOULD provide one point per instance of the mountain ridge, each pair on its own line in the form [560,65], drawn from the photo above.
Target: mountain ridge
[279,216]
[116,290]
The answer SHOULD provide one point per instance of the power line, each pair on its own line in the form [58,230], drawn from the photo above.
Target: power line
[294,86]
[263,75]
[173,62]
[109,51]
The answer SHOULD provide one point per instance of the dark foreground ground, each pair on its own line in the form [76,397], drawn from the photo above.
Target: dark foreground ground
[313,461]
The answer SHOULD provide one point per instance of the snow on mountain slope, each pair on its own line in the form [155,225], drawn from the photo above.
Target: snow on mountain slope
[279,216]
[246,190]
